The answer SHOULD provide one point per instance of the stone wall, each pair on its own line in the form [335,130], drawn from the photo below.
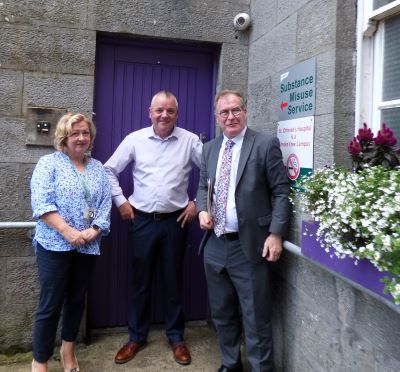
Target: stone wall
[321,323]
[47,59]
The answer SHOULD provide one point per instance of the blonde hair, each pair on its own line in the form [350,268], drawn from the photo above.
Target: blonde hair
[64,129]
[236,93]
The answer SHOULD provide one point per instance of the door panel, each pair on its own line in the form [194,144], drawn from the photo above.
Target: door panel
[128,74]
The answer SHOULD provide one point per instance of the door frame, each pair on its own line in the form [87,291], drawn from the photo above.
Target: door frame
[214,49]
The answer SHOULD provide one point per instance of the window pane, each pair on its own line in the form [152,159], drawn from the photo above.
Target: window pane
[391,60]
[379,3]
[392,119]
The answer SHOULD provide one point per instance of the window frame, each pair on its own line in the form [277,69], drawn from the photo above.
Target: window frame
[369,69]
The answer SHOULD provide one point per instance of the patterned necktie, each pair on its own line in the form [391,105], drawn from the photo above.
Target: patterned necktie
[223,187]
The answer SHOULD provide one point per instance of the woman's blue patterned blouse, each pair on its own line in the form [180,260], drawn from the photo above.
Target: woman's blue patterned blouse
[56,186]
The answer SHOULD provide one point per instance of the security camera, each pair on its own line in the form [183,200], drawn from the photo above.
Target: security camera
[241,21]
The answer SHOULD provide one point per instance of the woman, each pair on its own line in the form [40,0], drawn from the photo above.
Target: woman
[71,198]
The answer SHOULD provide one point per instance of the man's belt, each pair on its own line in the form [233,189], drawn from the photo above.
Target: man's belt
[230,236]
[156,216]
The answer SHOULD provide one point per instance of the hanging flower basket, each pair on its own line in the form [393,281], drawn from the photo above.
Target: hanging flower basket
[358,211]
[361,271]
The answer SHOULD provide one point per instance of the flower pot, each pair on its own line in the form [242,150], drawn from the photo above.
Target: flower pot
[364,273]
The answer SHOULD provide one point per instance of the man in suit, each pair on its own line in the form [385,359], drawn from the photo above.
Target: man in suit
[245,235]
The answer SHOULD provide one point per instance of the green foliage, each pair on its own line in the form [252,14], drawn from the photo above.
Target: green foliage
[358,210]
[358,215]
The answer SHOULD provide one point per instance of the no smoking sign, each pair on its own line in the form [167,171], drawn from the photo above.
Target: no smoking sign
[293,167]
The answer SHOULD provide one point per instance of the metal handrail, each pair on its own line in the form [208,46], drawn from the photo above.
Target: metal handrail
[293,248]
[17,225]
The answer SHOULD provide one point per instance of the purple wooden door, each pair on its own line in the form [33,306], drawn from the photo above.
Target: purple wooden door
[128,74]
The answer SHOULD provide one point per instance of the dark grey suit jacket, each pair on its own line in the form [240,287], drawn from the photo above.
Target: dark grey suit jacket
[261,194]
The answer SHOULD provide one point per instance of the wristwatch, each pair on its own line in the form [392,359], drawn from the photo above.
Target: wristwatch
[95,227]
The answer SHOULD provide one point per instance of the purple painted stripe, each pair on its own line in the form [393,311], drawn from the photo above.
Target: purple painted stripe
[364,273]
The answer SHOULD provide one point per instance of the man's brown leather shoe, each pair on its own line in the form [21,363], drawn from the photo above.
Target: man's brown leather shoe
[181,353]
[128,352]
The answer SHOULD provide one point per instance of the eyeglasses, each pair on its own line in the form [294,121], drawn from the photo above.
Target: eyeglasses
[235,112]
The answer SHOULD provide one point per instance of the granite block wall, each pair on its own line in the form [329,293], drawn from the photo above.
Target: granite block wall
[321,323]
[48,59]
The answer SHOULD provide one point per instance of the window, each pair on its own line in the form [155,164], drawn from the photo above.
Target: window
[380,3]
[378,64]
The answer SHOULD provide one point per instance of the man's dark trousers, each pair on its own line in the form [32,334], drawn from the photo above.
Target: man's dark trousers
[150,238]
[234,281]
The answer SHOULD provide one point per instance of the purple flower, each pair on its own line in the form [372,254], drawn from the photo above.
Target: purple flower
[365,134]
[354,147]
[385,137]
[366,150]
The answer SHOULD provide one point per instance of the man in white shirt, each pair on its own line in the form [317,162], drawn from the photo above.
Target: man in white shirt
[161,158]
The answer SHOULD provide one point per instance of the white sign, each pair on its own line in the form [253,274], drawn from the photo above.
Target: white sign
[297,91]
[297,145]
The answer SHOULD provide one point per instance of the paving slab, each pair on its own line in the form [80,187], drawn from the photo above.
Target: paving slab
[98,355]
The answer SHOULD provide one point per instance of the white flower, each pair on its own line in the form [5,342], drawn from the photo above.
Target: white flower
[358,214]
